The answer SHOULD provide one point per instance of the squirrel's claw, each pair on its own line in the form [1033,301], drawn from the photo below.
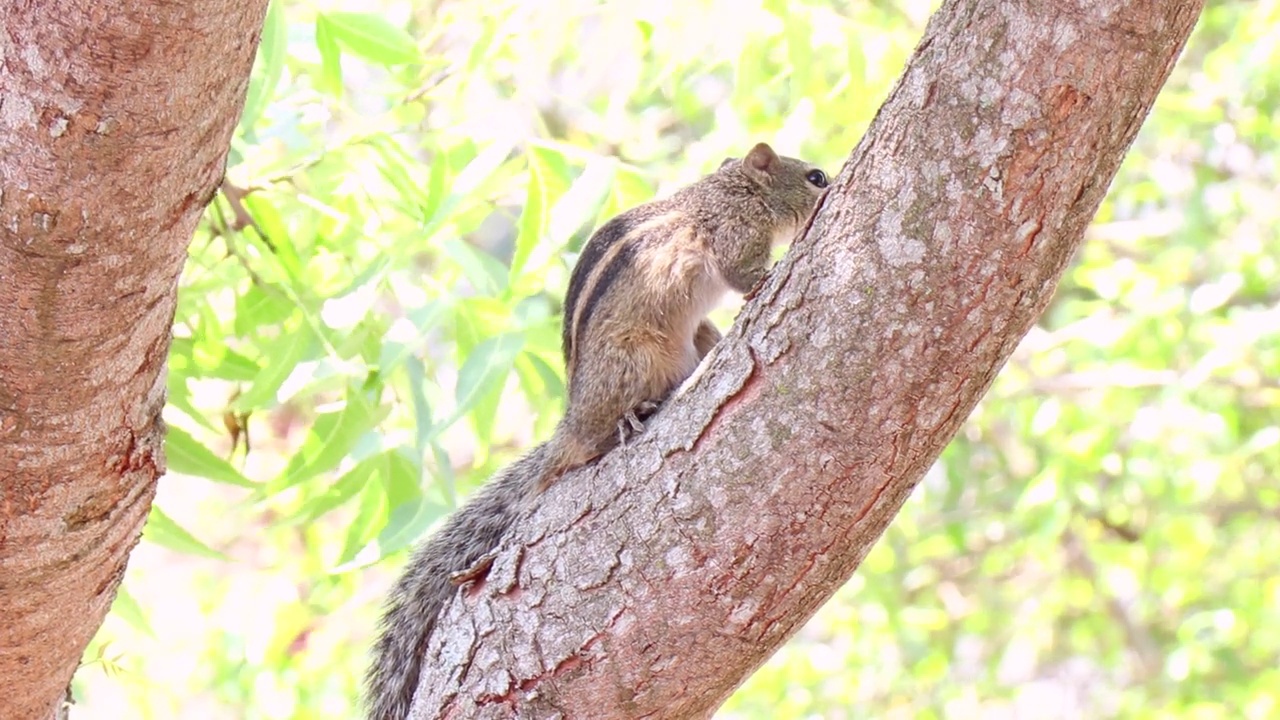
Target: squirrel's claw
[632,423]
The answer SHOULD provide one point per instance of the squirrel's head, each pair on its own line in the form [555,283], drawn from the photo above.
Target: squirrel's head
[790,188]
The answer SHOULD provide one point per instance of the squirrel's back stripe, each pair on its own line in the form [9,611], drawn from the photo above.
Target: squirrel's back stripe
[605,257]
[600,241]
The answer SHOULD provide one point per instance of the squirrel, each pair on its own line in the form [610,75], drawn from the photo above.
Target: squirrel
[634,329]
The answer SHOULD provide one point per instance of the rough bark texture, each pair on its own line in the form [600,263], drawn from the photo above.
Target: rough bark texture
[653,584]
[115,119]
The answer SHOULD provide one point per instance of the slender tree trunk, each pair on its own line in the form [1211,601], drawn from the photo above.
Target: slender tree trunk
[115,119]
[653,584]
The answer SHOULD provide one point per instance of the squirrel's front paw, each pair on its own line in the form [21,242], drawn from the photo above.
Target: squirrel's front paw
[632,423]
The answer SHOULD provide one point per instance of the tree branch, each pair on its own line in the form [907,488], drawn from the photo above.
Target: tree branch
[115,119]
[651,585]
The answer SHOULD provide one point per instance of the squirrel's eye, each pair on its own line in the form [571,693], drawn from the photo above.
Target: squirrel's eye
[817,177]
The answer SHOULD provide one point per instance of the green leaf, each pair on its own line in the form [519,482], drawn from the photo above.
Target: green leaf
[369,470]
[406,524]
[485,273]
[533,218]
[126,608]
[402,479]
[409,516]
[466,183]
[482,46]
[443,472]
[481,168]
[548,382]
[209,338]
[163,531]
[373,38]
[576,208]
[187,456]
[646,31]
[277,247]
[256,307]
[268,67]
[487,367]
[583,201]
[485,370]
[330,80]
[484,411]
[424,319]
[232,366]
[332,437]
[398,168]
[799,36]
[285,356]
[180,397]
[356,549]
[349,307]
[630,188]
[438,175]
[423,421]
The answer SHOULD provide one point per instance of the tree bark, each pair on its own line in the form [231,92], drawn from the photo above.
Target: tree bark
[651,585]
[115,120]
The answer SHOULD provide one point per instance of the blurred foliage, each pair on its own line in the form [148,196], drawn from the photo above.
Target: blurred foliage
[367,328]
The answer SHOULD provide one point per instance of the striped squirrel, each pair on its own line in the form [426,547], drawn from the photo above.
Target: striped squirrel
[634,329]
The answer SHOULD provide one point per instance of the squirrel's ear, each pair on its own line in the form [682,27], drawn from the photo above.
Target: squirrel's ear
[726,161]
[761,158]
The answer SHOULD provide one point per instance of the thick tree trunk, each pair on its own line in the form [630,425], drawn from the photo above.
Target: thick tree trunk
[653,584]
[115,119]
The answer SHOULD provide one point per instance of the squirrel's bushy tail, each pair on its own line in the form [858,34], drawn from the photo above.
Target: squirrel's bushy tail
[421,592]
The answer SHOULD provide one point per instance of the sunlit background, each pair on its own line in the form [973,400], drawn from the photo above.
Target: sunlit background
[380,313]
